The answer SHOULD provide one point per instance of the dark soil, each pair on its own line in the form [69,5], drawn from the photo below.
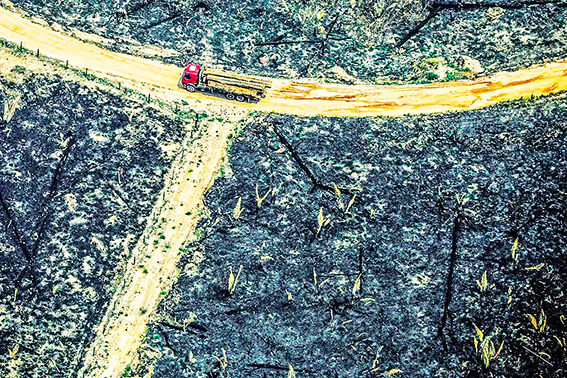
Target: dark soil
[463,184]
[79,173]
[359,36]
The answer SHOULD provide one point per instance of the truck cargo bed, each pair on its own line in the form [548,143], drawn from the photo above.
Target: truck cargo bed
[234,88]
[236,80]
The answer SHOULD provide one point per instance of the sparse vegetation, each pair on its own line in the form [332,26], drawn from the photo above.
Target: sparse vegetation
[344,40]
[343,229]
[72,161]
[10,106]
[363,262]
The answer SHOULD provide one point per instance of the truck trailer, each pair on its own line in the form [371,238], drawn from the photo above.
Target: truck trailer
[232,86]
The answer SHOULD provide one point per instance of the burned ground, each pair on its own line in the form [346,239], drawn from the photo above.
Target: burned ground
[352,281]
[357,36]
[340,282]
[80,170]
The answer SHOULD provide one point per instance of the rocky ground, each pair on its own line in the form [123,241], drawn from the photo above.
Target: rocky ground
[80,170]
[351,281]
[346,41]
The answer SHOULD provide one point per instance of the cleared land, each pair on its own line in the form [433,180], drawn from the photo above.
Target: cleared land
[293,97]
[309,98]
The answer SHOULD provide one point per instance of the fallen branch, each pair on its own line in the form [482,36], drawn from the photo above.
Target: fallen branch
[141,5]
[275,367]
[298,159]
[167,19]
[179,328]
[328,34]
[19,241]
[432,13]
[19,276]
[166,339]
[275,43]
[237,310]
[437,6]
[52,191]
[450,275]
[496,4]
[316,183]
[42,224]
[301,164]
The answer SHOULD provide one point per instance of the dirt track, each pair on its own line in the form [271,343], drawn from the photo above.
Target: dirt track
[123,334]
[291,97]
[124,326]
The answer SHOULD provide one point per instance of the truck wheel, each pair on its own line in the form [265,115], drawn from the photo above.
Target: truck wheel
[229,96]
[190,88]
[240,98]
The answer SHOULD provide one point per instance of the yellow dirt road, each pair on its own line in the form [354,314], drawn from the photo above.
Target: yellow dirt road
[123,328]
[152,269]
[293,97]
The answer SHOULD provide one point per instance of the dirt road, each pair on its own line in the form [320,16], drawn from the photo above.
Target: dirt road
[152,269]
[292,97]
[121,332]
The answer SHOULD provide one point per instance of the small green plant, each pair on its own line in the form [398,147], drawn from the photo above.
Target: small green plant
[431,76]
[515,250]
[339,200]
[291,372]
[127,371]
[540,324]
[238,209]
[322,221]
[19,69]
[314,277]
[233,280]
[260,199]
[223,362]
[350,203]
[451,76]
[143,311]
[483,284]
[357,285]
[14,351]
[484,347]
[392,372]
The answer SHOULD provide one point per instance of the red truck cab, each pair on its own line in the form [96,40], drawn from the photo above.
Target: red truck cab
[190,78]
